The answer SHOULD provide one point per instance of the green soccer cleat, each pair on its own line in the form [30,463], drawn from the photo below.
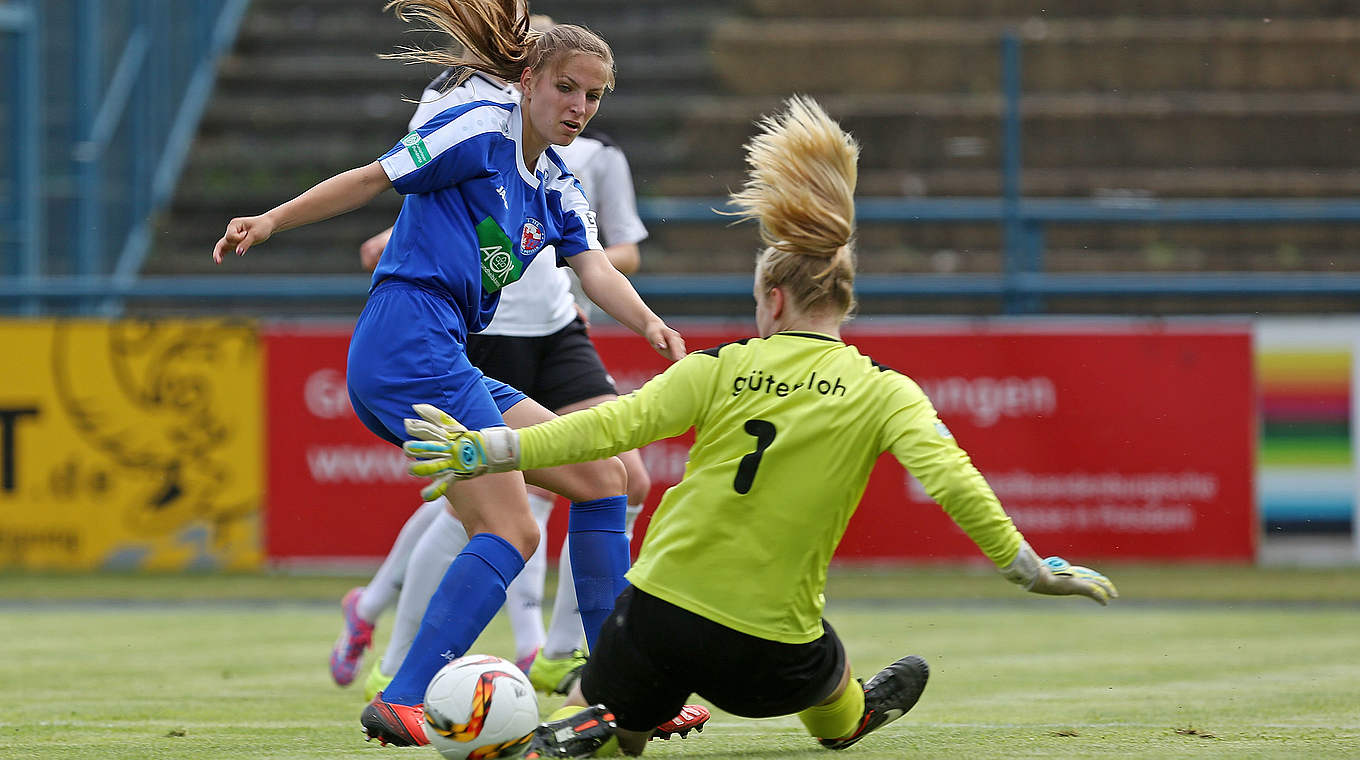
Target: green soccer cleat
[887,697]
[375,682]
[556,676]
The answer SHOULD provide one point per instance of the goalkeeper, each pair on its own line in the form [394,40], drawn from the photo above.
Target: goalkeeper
[787,429]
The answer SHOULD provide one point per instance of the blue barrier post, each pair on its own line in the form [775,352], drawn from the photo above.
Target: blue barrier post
[24,19]
[1018,258]
[88,154]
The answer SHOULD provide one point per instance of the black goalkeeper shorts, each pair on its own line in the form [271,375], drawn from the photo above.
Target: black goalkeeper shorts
[554,370]
[652,655]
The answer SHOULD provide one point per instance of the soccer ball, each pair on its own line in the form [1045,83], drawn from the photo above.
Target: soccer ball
[479,706]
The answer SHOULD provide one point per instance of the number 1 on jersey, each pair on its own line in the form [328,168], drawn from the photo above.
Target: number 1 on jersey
[746,471]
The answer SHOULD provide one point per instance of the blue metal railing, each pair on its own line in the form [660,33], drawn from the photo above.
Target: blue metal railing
[90,167]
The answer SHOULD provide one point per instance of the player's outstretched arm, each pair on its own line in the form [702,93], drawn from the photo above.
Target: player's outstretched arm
[448,451]
[331,197]
[1057,577]
[611,291]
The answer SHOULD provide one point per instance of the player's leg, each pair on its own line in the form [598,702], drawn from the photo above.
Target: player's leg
[430,559]
[519,362]
[561,658]
[392,366]
[363,605]
[851,710]
[524,598]
[382,590]
[495,513]
[561,655]
[595,524]
[638,692]
[639,481]
[889,695]
[571,376]
[840,713]
[559,664]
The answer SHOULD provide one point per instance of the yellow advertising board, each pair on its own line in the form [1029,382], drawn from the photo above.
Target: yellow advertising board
[130,445]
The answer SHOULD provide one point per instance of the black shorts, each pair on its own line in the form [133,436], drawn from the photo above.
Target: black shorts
[652,655]
[554,370]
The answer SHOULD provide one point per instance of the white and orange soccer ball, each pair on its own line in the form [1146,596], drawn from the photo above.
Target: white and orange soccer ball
[480,706]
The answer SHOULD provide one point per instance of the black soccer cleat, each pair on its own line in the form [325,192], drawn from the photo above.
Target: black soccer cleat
[887,697]
[576,735]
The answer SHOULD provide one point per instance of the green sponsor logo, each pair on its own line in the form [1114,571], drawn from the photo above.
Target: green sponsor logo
[500,265]
[416,147]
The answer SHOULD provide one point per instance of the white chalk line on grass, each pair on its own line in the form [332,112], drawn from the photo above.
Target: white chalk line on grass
[170,723]
[727,726]
[754,727]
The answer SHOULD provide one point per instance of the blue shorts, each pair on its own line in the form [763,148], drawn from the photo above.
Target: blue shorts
[408,348]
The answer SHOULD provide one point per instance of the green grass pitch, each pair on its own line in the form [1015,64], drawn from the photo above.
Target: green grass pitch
[1196,662]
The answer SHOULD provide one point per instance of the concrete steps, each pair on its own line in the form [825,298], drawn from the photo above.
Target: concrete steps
[912,55]
[1025,9]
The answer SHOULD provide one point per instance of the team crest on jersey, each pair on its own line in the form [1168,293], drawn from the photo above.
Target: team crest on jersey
[532,237]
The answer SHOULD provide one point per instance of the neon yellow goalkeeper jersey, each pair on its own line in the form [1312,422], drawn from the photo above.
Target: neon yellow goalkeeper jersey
[787,430]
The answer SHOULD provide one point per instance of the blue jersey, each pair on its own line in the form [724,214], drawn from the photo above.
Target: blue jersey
[474,215]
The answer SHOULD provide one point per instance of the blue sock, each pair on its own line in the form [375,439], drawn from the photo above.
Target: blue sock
[599,558]
[468,597]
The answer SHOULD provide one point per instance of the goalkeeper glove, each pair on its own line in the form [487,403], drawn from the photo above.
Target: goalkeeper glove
[448,451]
[1057,577]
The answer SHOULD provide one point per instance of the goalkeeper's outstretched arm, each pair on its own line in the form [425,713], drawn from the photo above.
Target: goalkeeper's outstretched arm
[1057,577]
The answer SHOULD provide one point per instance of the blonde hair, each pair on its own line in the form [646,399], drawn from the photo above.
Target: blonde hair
[495,36]
[800,187]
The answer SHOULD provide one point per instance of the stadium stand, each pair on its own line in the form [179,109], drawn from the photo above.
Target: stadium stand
[1125,102]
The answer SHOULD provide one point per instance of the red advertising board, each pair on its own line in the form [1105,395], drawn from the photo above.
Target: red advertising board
[1104,441]
[334,490]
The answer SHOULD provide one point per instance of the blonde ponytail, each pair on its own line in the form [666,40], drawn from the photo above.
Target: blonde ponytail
[800,187]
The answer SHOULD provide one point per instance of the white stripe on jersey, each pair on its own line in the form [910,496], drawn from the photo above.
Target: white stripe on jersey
[476,121]
[573,198]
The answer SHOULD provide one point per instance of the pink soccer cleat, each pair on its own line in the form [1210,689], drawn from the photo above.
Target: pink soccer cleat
[354,639]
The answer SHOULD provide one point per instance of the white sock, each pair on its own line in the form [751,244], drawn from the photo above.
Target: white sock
[381,592]
[564,629]
[431,558]
[524,596]
[631,517]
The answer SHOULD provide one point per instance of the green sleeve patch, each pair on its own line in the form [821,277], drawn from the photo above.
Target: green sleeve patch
[415,146]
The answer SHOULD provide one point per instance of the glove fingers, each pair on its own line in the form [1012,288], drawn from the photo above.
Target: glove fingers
[1095,585]
[425,431]
[427,449]
[439,417]
[1093,591]
[436,489]
[433,468]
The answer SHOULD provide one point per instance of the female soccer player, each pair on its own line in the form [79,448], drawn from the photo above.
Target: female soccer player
[484,194]
[538,344]
[726,596]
